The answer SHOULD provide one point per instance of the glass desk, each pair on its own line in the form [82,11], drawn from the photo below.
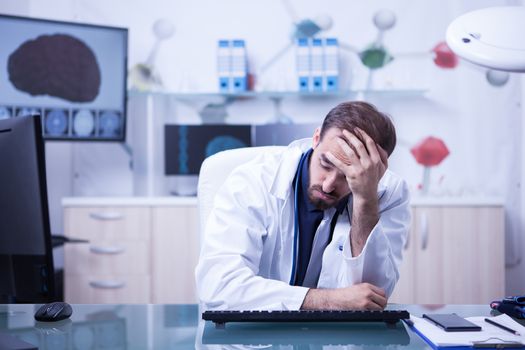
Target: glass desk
[180,327]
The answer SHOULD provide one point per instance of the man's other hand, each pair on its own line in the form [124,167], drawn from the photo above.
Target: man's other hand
[363,296]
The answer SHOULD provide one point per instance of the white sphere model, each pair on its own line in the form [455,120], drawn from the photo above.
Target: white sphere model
[163,28]
[384,19]
[324,22]
[497,77]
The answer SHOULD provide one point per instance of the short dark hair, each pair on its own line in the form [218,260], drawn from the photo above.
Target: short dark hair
[363,115]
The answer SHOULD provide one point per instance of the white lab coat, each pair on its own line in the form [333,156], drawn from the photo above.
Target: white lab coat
[246,256]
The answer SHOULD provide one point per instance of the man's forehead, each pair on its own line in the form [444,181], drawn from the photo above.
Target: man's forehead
[331,136]
[329,140]
[330,144]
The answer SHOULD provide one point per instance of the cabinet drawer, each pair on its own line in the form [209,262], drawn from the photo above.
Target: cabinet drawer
[105,257]
[107,223]
[91,289]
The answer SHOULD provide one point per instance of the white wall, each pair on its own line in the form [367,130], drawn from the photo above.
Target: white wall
[482,125]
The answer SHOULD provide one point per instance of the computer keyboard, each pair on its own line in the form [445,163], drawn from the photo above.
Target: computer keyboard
[220,318]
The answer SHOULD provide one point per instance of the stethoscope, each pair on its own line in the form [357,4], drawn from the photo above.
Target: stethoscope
[296,217]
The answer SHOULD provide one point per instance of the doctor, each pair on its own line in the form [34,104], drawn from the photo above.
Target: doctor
[320,225]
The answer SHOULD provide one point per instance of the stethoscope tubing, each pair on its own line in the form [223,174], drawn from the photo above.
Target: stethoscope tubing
[296,219]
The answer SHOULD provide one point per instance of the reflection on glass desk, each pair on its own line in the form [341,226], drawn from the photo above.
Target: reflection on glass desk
[319,334]
[180,327]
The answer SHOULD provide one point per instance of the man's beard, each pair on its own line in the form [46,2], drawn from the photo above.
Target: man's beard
[320,203]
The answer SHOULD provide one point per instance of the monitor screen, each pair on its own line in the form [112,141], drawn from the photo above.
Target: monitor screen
[282,134]
[26,261]
[73,75]
[186,146]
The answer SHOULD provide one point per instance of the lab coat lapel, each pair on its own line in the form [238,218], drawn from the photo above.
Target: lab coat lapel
[286,227]
[282,189]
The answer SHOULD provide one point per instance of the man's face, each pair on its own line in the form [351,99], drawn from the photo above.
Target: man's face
[328,184]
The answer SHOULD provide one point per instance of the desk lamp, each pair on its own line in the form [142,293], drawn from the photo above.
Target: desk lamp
[492,38]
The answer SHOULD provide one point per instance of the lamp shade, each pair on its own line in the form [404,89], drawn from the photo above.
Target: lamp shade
[430,151]
[490,37]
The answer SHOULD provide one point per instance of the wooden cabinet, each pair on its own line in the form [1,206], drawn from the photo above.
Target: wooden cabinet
[175,253]
[454,255]
[146,250]
[139,250]
[115,265]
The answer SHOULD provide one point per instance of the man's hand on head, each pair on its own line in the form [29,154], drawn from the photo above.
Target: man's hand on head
[363,162]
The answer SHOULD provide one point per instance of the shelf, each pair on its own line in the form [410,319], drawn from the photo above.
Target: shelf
[279,94]
[215,108]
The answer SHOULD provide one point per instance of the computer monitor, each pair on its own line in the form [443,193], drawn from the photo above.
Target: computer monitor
[26,258]
[282,134]
[72,74]
[186,146]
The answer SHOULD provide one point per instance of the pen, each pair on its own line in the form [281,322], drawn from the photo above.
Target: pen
[502,326]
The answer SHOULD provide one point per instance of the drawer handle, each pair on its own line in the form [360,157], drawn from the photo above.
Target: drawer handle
[107,250]
[107,284]
[107,216]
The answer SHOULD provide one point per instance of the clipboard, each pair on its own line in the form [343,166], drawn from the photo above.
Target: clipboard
[489,337]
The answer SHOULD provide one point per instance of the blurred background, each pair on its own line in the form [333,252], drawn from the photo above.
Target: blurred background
[459,127]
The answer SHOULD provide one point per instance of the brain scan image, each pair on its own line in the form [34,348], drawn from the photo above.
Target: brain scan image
[66,68]
[222,143]
[110,124]
[83,123]
[56,122]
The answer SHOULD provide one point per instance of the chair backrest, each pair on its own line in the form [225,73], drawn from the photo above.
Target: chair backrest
[216,169]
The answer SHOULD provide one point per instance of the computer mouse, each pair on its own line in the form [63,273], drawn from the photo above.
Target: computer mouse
[53,312]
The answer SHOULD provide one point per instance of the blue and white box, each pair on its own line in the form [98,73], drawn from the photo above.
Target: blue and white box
[224,65]
[331,64]
[317,65]
[303,64]
[239,66]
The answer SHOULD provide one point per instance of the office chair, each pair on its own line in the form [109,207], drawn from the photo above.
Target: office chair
[215,170]
[213,173]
